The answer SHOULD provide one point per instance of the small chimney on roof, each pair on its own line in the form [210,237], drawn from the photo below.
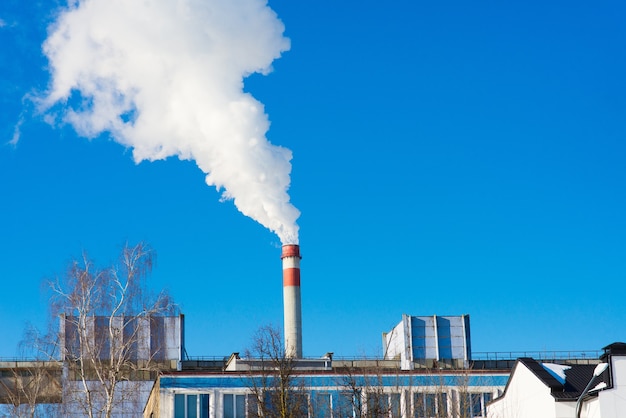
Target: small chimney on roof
[613,349]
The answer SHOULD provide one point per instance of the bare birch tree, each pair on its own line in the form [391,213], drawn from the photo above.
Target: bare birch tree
[366,392]
[276,391]
[104,316]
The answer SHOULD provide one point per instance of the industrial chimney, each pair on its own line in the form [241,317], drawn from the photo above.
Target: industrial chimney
[291,299]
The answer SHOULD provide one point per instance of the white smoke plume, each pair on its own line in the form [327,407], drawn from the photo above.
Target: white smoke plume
[165,78]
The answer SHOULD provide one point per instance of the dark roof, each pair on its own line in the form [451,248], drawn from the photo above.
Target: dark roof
[616,348]
[545,376]
[576,379]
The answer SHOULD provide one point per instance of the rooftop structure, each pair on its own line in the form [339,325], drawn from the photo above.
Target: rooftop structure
[429,341]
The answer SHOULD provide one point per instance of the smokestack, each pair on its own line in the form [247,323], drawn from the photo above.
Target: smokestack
[291,299]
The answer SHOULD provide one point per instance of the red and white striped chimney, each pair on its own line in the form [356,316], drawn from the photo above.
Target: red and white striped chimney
[291,299]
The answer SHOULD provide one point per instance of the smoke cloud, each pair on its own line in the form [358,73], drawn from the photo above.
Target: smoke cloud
[165,78]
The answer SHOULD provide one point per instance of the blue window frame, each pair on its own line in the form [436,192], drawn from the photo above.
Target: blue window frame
[234,406]
[427,405]
[191,405]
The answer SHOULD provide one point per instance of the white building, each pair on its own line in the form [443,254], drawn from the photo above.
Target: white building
[549,390]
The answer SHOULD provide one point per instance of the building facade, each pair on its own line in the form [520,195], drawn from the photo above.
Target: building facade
[364,390]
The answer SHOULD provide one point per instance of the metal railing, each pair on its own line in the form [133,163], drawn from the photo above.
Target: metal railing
[206,358]
[538,355]
[480,355]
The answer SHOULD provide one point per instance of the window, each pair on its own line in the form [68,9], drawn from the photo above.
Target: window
[300,403]
[429,405]
[383,404]
[465,404]
[345,405]
[296,401]
[322,405]
[475,404]
[394,399]
[191,406]
[253,406]
[234,406]
[485,397]
[377,405]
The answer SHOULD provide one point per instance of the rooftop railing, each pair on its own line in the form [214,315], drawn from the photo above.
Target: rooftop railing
[538,355]
[480,355]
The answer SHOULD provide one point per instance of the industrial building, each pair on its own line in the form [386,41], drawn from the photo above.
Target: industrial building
[427,370]
[438,383]
[412,380]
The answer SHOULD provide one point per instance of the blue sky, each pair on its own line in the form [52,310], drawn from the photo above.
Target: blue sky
[448,158]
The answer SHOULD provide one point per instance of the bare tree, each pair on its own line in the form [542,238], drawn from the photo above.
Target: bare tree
[362,383]
[379,389]
[105,315]
[363,386]
[276,390]
[353,394]
[432,399]
[462,407]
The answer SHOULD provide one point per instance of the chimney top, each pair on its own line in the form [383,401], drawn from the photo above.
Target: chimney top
[291,250]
